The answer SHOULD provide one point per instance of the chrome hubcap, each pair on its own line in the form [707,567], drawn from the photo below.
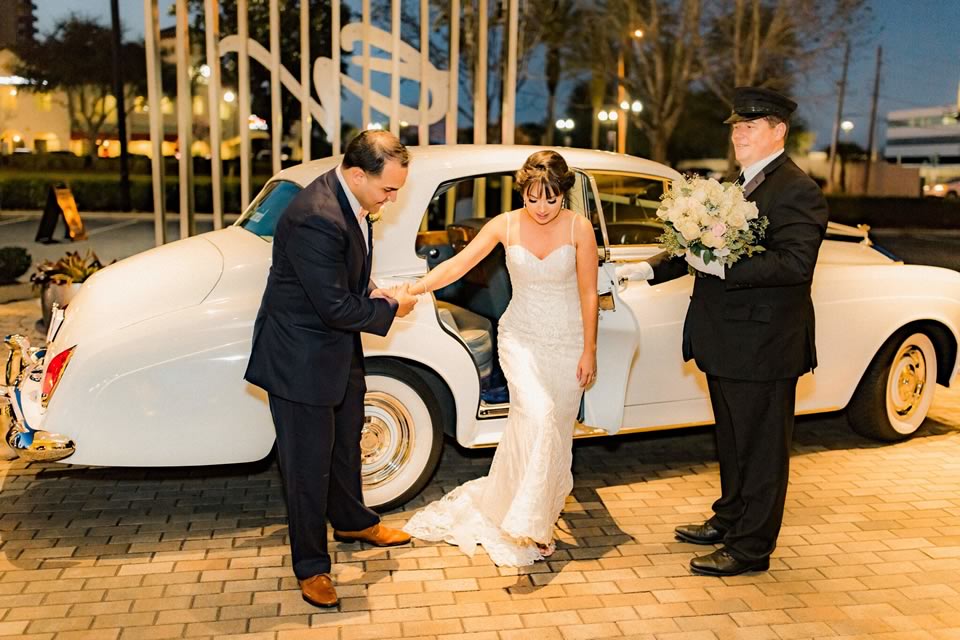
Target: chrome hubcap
[908,380]
[387,438]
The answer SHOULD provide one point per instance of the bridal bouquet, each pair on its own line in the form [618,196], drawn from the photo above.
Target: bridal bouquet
[711,219]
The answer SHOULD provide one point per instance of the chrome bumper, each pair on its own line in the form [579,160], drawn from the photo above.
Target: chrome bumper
[27,443]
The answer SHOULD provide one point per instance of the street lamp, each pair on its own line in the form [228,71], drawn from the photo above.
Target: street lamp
[846,126]
[636,106]
[612,116]
[566,126]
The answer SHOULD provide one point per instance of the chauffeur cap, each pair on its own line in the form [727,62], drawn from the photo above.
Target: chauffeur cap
[750,103]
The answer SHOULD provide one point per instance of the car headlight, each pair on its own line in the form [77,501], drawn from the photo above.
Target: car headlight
[54,372]
[938,187]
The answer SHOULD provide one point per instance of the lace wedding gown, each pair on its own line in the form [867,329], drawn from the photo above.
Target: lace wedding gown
[540,342]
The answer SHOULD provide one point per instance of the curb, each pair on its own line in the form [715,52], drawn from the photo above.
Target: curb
[16,291]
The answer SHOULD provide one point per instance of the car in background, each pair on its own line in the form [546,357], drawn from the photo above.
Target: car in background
[949,190]
[145,367]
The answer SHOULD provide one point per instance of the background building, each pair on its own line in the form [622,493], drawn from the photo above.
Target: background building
[928,138]
[35,121]
[19,23]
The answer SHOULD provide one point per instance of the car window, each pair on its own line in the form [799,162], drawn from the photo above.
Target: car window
[263,213]
[480,197]
[630,204]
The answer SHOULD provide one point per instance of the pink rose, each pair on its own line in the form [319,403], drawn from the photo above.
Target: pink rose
[719,229]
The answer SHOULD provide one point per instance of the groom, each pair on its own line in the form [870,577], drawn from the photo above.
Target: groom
[308,356]
[750,328]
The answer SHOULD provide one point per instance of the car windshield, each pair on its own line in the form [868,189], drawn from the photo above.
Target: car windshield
[263,213]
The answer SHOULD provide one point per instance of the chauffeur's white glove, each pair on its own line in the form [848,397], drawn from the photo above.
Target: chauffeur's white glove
[635,271]
[714,268]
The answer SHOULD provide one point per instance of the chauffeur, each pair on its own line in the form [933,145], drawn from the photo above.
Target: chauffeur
[750,328]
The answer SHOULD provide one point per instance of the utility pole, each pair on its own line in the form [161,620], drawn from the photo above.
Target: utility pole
[871,151]
[836,122]
[121,107]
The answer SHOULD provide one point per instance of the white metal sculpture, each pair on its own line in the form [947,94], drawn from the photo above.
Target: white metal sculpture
[321,101]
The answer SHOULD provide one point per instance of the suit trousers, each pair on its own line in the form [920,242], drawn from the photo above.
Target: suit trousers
[754,433]
[318,449]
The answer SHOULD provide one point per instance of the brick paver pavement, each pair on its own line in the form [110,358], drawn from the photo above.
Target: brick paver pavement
[870,549]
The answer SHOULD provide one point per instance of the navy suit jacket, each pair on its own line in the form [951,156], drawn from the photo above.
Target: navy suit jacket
[316,302]
[758,323]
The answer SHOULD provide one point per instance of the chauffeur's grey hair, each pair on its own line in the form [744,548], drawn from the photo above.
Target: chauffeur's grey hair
[371,149]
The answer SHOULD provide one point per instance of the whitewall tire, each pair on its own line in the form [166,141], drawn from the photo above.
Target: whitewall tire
[402,435]
[897,390]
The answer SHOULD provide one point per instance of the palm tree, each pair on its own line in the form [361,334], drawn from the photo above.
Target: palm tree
[556,26]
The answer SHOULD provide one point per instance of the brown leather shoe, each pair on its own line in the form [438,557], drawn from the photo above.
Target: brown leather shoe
[378,535]
[318,590]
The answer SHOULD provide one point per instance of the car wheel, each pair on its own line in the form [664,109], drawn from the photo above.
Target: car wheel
[402,435]
[953,195]
[896,391]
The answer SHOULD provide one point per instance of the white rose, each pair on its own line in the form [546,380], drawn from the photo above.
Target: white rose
[710,239]
[736,220]
[748,210]
[688,229]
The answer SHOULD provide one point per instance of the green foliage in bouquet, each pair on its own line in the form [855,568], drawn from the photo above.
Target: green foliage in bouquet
[14,262]
[70,269]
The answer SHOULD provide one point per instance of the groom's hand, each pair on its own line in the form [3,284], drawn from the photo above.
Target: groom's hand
[405,301]
[382,293]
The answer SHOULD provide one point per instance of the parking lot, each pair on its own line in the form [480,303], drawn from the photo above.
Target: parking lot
[870,546]
[870,549]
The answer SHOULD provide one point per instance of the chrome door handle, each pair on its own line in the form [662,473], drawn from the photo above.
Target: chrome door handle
[606,301]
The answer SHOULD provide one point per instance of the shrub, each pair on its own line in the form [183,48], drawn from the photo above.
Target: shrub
[70,269]
[99,192]
[14,262]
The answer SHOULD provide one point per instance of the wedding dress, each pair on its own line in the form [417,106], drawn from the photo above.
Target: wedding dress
[517,504]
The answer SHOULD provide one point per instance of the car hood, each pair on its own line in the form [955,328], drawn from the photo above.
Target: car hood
[149,284]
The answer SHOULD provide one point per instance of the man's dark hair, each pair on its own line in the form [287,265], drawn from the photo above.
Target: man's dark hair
[775,120]
[371,149]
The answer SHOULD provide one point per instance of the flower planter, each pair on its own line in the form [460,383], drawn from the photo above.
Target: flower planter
[51,292]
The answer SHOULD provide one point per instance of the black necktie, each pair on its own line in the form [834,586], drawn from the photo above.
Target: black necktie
[739,180]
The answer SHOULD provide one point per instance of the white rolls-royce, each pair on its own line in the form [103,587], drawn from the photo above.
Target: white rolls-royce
[145,367]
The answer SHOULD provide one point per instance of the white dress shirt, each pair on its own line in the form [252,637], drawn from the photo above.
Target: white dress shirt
[358,211]
[749,173]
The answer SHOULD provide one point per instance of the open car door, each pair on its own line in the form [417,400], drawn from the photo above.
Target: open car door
[618,335]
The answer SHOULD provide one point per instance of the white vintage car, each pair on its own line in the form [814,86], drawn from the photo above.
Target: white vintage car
[146,367]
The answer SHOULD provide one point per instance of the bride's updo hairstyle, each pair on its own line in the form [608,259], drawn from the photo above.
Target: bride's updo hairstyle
[545,173]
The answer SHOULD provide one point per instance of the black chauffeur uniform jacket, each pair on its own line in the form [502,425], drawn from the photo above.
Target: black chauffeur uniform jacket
[758,323]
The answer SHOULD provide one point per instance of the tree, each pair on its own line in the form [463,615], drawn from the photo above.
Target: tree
[658,67]
[770,43]
[665,64]
[558,34]
[75,58]
[700,132]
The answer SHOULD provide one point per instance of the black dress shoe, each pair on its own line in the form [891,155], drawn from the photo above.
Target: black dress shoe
[721,563]
[704,533]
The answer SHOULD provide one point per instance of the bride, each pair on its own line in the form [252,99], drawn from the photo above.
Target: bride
[547,349]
